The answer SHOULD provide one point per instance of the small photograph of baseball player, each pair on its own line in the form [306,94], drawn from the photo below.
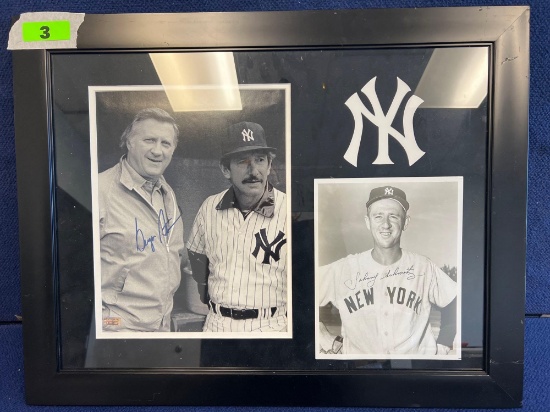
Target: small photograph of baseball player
[238,243]
[388,268]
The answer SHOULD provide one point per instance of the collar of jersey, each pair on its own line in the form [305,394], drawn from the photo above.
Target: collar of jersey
[266,205]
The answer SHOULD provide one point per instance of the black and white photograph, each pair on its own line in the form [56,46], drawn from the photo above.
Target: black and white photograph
[388,255]
[191,214]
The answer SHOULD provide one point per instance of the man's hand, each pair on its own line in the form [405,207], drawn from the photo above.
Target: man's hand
[329,343]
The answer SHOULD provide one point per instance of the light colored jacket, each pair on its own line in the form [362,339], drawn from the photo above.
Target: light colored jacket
[140,253]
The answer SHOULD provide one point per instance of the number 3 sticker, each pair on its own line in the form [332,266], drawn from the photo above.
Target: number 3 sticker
[46,31]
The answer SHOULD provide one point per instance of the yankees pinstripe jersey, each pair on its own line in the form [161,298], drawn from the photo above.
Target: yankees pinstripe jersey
[385,309]
[247,255]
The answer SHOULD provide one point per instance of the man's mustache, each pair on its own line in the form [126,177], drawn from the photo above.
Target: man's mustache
[252,180]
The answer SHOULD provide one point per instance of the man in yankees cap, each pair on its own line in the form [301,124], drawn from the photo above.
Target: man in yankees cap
[385,294]
[237,246]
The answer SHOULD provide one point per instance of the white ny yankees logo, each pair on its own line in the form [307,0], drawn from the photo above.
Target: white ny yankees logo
[384,123]
[248,135]
[388,191]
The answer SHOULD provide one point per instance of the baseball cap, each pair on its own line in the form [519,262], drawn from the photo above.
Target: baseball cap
[244,137]
[388,192]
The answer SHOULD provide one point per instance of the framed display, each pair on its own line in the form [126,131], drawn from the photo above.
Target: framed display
[248,202]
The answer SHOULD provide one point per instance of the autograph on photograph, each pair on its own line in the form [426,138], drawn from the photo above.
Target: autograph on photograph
[351,284]
[164,227]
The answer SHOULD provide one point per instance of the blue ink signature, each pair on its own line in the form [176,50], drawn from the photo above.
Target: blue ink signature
[164,224]
[164,228]
[140,239]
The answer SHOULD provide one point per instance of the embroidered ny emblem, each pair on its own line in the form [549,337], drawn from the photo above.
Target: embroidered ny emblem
[248,135]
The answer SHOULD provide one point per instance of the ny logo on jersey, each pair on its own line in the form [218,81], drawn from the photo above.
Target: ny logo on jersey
[388,191]
[248,135]
[384,123]
[269,252]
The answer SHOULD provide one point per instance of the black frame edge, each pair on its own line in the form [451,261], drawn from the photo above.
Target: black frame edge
[509,208]
[33,191]
[296,28]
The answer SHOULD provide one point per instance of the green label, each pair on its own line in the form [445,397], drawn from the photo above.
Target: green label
[47,30]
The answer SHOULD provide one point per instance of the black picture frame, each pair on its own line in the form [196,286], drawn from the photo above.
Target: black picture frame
[505,30]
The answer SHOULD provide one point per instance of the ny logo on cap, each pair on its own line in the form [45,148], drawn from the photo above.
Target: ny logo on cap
[248,135]
[263,243]
[388,191]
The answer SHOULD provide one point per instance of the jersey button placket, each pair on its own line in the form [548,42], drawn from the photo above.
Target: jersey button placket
[387,322]
[228,289]
[239,235]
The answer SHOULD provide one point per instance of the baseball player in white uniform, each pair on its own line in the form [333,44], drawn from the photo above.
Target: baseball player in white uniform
[385,294]
[237,246]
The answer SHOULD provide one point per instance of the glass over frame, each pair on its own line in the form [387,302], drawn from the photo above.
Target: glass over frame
[344,123]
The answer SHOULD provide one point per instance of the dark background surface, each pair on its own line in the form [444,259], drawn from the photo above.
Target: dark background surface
[538,283]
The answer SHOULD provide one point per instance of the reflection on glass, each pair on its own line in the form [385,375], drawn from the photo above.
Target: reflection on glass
[455,78]
[214,72]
